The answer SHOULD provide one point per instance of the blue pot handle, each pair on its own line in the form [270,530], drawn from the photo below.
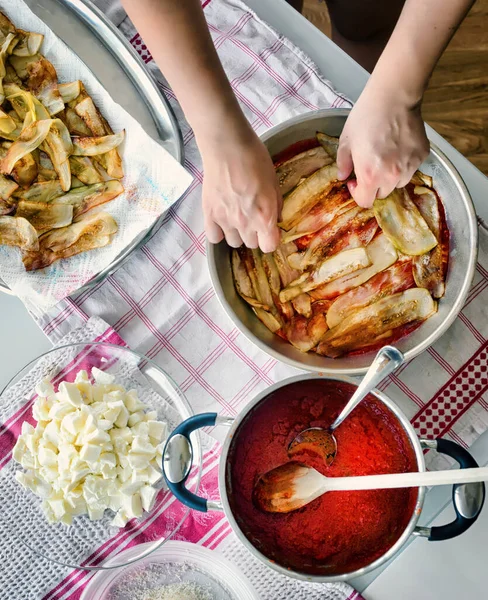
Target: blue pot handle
[178,459]
[467,498]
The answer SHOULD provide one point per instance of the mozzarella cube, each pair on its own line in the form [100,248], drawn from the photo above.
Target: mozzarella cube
[97,436]
[41,409]
[58,508]
[157,430]
[122,459]
[90,453]
[141,475]
[154,475]
[86,391]
[132,505]
[133,403]
[102,377]
[32,443]
[141,429]
[95,512]
[27,429]
[142,446]
[135,418]
[122,418]
[120,519]
[20,450]
[108,472]
[73,423]
[47,457]
[108,458]
[105,424]
[138,461]
[44,388]
[52,433]
[70,393]
[148,497]
[151,415]
[130,487]
[111,414]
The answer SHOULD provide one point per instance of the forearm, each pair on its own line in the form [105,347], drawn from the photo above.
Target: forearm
[421,35]
[177,35]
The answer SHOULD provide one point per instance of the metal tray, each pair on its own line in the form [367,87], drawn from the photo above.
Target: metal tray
[115,63]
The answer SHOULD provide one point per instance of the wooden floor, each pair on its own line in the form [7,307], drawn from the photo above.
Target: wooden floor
[456,103]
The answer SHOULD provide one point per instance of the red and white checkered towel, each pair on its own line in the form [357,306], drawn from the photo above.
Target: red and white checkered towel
[162,302]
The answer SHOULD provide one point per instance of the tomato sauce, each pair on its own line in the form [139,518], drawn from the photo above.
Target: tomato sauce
[340,531]
[293,150]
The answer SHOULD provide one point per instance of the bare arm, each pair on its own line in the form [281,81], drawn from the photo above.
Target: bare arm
[384,138]
[240,195]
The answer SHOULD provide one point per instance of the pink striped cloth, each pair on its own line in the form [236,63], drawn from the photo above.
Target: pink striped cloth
[162,302]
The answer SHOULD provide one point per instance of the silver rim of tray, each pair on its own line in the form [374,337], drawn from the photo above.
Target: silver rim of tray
[155,100]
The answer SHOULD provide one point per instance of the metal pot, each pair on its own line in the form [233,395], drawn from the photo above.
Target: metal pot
[177,461]
[461,220]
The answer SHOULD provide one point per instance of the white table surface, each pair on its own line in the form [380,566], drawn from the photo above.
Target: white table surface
[424,570]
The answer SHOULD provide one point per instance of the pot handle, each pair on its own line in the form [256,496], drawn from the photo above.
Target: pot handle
[178,459]
[467,498]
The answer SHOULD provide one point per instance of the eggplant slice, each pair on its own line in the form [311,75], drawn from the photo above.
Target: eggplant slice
[16,231]
[302,165]
[43,216]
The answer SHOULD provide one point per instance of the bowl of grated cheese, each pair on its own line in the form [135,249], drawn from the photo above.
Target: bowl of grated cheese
[84,427]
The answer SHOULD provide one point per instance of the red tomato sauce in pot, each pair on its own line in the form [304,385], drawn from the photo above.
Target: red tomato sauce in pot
[340,531]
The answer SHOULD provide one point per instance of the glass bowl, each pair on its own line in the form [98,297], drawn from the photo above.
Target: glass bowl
[86,544]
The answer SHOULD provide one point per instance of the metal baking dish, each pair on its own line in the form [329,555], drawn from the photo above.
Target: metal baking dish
[461,220]
[115,63]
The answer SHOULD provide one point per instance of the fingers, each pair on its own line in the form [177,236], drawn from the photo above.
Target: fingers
[344,161]
[213,231]
[363,193]
[233,238]
[250,238]
[269,239]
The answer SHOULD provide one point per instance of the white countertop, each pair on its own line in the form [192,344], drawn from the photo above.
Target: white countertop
[424,570]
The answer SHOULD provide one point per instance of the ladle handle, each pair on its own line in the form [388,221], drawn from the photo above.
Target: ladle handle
[386,361]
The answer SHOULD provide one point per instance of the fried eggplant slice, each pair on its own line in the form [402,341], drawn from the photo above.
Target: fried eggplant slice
[16,231]
[428,269]
[29,43]
[87,110]
[93,231]
[86,197]
[83,168]
[6,27]
[7,124]
[69,91]
[382,254]
[403,224]
[301,165]
[272,273]
[269,320]
[3,62]
[30,139]
[243,283]
[304,334]
[303,305]
[397,278]
[328,208]
[92,146]
[377,321]
[328,270]
[343,225]
[329,144]
[41,192]
[303,198]
[41,79]
[422,179]
[75,124]
[58,147]
[281,254]
[25,171]
[7,187]
[45,216]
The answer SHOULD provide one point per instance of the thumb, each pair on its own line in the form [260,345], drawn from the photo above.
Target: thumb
[344,161]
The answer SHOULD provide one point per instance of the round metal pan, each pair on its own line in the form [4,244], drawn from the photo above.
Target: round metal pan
[461,220]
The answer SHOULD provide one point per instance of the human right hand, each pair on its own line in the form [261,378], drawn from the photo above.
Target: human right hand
[384,141]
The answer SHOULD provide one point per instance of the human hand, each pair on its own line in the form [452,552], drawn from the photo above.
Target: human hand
[384,141]
[241,198]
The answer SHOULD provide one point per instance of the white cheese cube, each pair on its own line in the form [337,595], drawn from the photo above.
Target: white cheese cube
[108,472]
[135,418]
[64,462]
[86,391]
[41,409]
[47,457]
[141,475]
[75,504]
[138,461]
[115,501]
[73,423]
[102,377]
[59,410]
[98,408]
[20,449]
[124,473]
[152,415]
[82,377]
[49,474]
[120,519]
[130,487]
[142,446]
[105,424]
[154,475]
[97,436]
[157,430]
[48,512]
[141,429]
[66,519]
[58,508]
[122,418]
[122,459]
[27,429]
[148,497]
[132,505]
[44,388]
[108,458]
[95,512]
[32,443]
[71,393]
[90,453]
[112,413]
[52,433]
[28,461]
[133,403]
